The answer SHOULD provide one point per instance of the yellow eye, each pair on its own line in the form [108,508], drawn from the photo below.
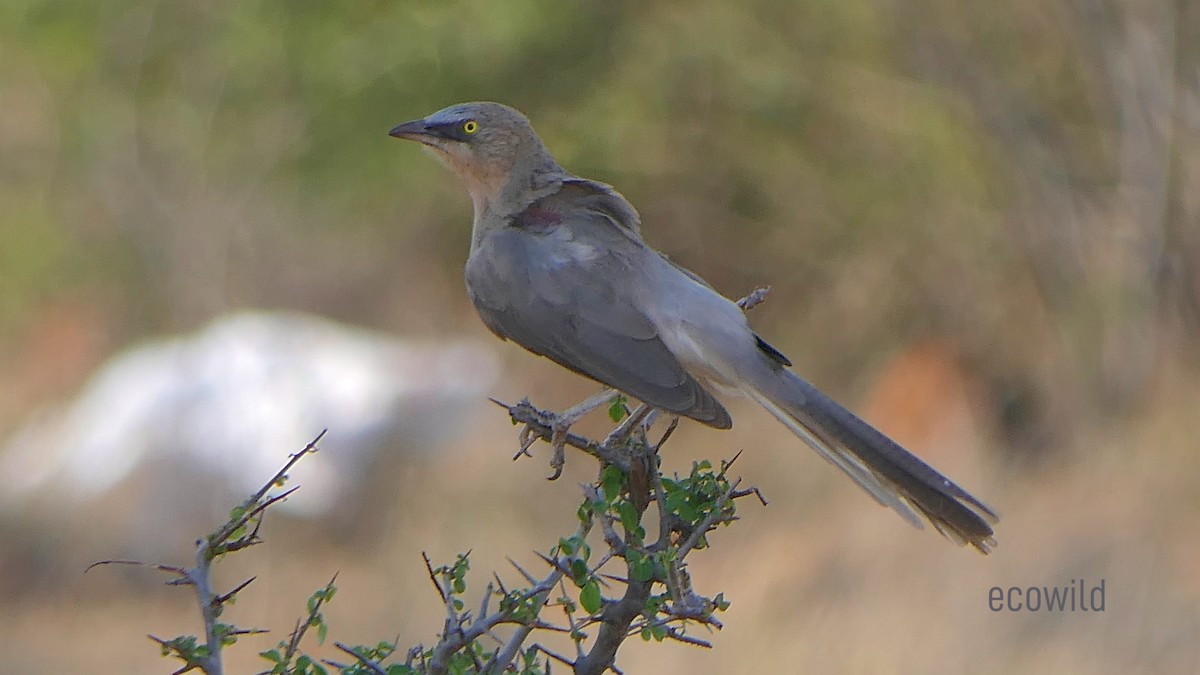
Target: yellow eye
[470,127]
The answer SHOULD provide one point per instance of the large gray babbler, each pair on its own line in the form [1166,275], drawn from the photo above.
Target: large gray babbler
[558,266]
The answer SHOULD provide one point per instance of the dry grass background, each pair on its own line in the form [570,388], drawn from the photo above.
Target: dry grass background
[982,226]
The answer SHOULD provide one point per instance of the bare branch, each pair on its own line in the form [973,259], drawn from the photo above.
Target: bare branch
[199,576]
[500,660]
[754,298]
[433,577]
[369,663]
[228,596]
[667,434]
[556,657]
[528,577]
[256,499]
[675,634]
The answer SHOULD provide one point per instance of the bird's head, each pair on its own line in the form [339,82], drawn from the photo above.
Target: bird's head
[489,146]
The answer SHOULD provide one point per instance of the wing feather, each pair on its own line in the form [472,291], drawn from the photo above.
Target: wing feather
[559,296]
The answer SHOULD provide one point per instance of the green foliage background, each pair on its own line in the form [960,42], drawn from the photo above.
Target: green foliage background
[925,163]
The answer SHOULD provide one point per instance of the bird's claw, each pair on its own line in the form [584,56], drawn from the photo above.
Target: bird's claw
[527,438]
[558,424]
[558,444]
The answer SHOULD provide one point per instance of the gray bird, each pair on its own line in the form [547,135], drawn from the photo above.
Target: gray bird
[558,265]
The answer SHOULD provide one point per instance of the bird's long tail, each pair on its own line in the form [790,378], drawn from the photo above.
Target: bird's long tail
[891,474]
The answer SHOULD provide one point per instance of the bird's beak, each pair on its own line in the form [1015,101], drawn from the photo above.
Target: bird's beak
[415,130]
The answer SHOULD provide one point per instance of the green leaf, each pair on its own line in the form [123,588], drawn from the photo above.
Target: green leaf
[721,603]
[641,567]
[688,513]
[675,499]
[616,409]
[612,479]
[567,545]
[589,597]
[653,604]
[629,516]
[643,570]
[579,570]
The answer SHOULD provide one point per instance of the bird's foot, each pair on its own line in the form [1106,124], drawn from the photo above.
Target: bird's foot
[528,436]
[559,425]
[558,447]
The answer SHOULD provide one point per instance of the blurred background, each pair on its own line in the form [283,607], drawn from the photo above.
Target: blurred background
[981,223]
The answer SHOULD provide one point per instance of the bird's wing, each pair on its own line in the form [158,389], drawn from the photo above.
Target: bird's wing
[551,289]
[599,198]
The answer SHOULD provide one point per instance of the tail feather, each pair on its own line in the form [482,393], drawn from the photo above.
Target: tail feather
[889,473]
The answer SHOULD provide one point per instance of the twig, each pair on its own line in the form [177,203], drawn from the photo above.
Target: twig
[237,589]
[754,298]
[576,633]
[254,504]
[553,655]
[675,634]
[369,663]
[705,525]
[528,577]
[737,494]
[626,426]
[433,577]
[199,577]
[302,628]
[453,641]
[614,541]
[500,660]
[668,433]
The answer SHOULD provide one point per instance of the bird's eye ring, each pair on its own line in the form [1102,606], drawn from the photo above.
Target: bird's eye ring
[470,127]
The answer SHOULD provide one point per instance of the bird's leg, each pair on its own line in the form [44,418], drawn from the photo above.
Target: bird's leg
[643,413]
[560,423]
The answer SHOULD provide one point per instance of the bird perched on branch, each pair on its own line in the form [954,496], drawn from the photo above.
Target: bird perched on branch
[558,265]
